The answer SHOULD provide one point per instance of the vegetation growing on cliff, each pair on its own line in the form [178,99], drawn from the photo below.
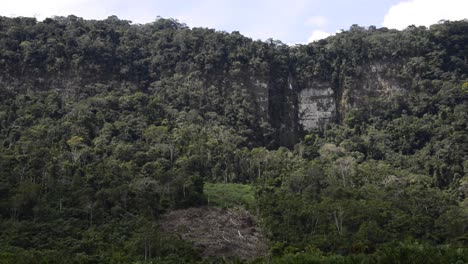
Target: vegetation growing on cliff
[105,126]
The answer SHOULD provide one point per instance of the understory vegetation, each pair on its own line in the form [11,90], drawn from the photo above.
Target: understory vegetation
[105,126]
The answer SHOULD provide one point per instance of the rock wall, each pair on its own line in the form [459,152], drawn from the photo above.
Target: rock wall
[316,105]
[261,92]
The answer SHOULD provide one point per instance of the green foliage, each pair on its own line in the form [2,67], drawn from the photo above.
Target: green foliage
[105,125]
[410,253]
[465,87]
[228,195]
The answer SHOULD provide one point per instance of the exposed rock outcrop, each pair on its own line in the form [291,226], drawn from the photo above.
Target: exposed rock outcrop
[316,105]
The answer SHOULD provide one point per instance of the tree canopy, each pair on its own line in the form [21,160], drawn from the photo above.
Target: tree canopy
[106,125]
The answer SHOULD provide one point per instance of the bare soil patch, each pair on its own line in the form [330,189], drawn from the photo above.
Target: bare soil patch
[218,232]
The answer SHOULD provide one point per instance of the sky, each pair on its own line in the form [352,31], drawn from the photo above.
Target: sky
[291,21]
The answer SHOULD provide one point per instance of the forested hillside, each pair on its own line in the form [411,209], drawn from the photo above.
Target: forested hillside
[352,149]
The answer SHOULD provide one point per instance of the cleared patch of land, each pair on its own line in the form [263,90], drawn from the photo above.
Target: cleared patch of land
[218,232]
[230,194]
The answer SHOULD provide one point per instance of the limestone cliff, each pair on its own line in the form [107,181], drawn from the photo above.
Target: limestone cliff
[268,91]
[317,105]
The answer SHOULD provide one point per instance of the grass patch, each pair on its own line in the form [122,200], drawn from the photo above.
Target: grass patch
[228,195]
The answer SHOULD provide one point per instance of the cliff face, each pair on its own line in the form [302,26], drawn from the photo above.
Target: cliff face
[373,82]
[317,105]
[268,90]
[316,102]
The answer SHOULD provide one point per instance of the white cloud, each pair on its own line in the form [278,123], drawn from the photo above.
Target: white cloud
[318,35]
[424,12]
[316,21]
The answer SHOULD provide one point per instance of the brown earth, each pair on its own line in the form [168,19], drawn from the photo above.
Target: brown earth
[218,232]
